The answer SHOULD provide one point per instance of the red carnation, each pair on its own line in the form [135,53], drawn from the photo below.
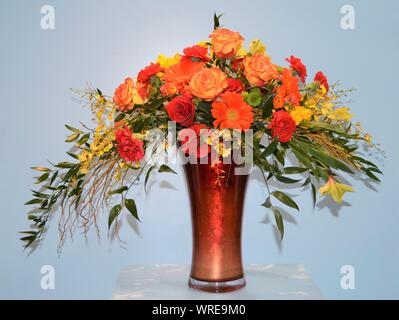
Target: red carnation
[145,74]
[198,52]
[190,141]
[182,110]
[322,79]
[235,85]
[297,65]
[283,126]
[129,149]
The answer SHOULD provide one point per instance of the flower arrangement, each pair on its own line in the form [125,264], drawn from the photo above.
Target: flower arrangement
[214,85]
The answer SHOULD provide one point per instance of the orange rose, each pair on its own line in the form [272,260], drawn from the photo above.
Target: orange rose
[208,83]
[225,43]
[126,96]
[258,70]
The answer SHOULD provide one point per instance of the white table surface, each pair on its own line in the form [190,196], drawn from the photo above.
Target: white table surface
[169,282]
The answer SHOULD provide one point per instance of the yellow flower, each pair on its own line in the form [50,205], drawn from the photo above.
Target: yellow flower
[85,156]
[257,47]
[341,113]
[166,62]
[335,189]
[301,113]
[241,52]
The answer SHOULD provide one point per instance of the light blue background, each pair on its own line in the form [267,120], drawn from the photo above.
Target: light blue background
[102,42]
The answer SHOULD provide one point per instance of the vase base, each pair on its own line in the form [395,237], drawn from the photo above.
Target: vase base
[216,286]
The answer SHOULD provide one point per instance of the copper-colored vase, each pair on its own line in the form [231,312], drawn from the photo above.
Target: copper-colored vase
[217,198]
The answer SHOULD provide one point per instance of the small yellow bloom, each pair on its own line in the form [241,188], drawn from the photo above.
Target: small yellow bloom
[85,156]
[367,137]
[301,113]
[335,189]
[166,62]
[257,47]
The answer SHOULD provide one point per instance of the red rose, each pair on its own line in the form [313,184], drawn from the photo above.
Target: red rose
[198,52]
[182,110]
[322,79]
[190,141]
[145,74]
[129,149]
[236,64]
[283,126]
[297,65]
[235,85]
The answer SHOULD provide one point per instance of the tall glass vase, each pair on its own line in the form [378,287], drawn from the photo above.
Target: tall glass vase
[217,198]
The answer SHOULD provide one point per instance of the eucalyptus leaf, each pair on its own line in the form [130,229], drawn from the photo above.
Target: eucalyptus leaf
[131,206]
[113,214]
[279,221]
[165,168]
[284,198]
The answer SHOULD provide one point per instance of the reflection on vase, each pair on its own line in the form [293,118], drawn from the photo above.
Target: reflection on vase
[217,198]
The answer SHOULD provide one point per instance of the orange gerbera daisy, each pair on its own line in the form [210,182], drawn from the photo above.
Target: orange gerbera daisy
[178,76]
[231,112]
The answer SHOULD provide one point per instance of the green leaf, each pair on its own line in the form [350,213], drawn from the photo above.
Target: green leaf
[84,139]
[286,179]
[72,137]
[147,176]
[314,195]
[294,170]
[165,168]
[33,201]
[370,175]
[279,155]
[42,178]
[41,169]
[328,127]
[360,159]
[53,177]
[75,156]
[64,165]
[270,149]
[267,203]
[284,198]
[307,181]
[267,107]
[279,221]
[72,129]
[113,214]
[119,117]
[323,156]
[216,20]
[131,206]
[118,191]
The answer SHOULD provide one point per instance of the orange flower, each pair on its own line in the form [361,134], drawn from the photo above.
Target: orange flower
[126,96]
[231,112]
[178,76]
[225,43]
[288,92]
[208,83]
[258,70]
